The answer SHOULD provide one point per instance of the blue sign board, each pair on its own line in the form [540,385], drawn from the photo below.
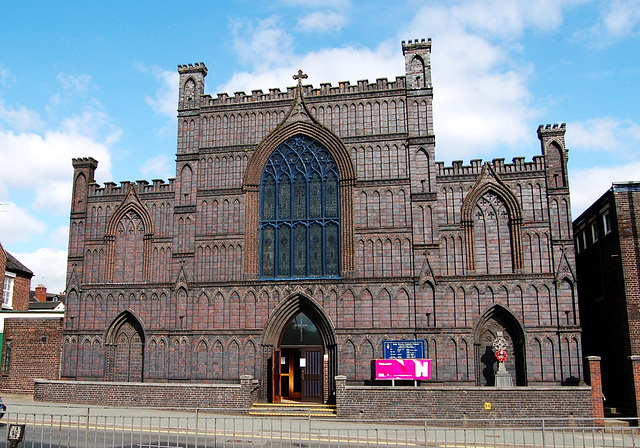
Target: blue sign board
[405,349]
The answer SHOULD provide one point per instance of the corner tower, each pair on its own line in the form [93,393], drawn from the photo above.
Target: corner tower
[417,62]
[556,157]
[189,96]
[421,144]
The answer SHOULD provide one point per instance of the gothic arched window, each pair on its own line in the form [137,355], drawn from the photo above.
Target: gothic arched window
[299,212]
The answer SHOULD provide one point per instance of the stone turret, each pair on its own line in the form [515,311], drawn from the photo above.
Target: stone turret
[555,154]
[417,57]
[189,98]
[191,85]
[83,175]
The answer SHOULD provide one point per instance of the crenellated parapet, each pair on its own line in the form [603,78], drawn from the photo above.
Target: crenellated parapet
[554,130]
[141,187]
[416,44]
[518,165]
[192,68]
[310,92]
[85,162]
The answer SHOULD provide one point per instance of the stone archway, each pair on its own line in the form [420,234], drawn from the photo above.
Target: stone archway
[498,320]
[124,347]
[279,323]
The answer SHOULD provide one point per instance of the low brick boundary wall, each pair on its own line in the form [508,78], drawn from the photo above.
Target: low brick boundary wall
[463,403]
[160,395]
[36,347]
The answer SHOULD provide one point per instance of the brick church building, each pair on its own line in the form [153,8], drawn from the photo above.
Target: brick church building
[306,226]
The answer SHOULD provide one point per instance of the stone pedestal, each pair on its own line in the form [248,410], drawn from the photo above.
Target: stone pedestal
[503,378]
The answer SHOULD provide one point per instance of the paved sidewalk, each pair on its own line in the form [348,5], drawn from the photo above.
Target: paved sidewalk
[26,404]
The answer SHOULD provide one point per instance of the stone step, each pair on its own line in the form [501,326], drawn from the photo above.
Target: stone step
[293,410]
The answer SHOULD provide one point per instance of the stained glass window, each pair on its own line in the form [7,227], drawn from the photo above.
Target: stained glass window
[300,212]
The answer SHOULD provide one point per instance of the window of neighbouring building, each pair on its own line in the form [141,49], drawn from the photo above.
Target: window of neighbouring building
[7,292]
[606,222]
[594,232]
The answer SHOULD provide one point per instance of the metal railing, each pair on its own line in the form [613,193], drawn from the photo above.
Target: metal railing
[201,429]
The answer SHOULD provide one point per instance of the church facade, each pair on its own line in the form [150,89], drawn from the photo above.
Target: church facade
[304,228]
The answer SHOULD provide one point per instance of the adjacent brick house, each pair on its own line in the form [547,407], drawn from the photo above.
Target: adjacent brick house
[607,241]
[31,341]
[305,227]
[17,282]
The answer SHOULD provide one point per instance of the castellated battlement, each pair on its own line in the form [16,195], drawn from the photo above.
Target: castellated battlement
[309,92]
[412,45]
[193,68]
[84,162]
[142,187]
[518,166]
[551,130]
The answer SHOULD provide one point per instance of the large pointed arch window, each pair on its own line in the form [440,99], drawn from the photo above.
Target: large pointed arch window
[300,212]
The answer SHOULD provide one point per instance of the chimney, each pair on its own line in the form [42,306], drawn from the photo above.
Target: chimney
[41,293]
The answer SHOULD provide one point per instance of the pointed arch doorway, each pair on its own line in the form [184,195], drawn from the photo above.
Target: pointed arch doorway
[298,362]
[301,352]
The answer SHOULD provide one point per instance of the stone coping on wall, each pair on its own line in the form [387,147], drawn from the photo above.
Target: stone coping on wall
[228,396]
[126,383]
[440,387]
[523,404]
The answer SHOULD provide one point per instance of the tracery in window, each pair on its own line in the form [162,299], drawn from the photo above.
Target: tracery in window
[299,212]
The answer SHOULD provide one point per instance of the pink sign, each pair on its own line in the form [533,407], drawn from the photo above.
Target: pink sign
[403,369]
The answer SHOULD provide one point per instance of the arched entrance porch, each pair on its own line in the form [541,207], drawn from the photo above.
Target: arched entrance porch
[499,321]
[300,353]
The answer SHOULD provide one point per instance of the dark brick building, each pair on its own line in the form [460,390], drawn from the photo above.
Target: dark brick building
[305,227]
[607,240]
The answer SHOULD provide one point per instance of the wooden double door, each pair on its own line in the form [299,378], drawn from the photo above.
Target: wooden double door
[297,374]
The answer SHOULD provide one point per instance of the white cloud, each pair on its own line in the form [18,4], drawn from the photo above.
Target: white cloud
[322,21]
[165,100]
[43,164]
[93,125]
[6,77]
[49,267]
[335,4]
[481,97]
[507,20]
[18,225]
[588,184]
[60,236]
[21,119]
[267,44]
[160,166]
[606,134]
[54,199]
[620,19]
[329,65]
[476,85]
[79,83]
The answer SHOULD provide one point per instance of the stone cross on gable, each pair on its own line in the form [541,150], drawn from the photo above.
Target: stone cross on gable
[299,77]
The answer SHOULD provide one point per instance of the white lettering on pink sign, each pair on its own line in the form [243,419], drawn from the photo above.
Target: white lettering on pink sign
[403,369]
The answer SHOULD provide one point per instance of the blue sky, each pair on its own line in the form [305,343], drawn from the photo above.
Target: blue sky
[99,79]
